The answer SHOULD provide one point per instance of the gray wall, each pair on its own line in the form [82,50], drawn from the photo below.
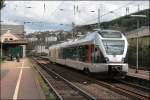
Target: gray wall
[143,31]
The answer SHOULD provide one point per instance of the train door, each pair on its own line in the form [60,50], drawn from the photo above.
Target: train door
[87,53]
[80,53]
[97,55]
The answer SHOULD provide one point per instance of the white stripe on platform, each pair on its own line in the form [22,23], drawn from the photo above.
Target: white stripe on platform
[18,83]
[23,67]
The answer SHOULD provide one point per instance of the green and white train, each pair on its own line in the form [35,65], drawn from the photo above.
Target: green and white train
[100,51]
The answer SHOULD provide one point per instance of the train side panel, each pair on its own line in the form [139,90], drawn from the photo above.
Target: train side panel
[77,64]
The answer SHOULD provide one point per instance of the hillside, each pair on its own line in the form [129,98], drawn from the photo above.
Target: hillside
[124,23]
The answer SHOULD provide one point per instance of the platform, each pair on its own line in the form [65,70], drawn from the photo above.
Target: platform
[143,74]
[18,81]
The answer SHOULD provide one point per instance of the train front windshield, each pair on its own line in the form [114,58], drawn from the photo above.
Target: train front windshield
[114,47]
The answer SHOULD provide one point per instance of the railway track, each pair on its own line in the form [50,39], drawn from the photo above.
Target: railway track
[139,87]
[120,89]
[125,90]
[62,88]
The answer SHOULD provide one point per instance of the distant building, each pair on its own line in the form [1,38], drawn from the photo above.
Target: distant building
[12,41]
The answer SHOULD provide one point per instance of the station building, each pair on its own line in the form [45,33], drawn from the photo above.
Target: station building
[13,41]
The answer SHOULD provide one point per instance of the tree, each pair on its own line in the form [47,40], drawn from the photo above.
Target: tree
[2,4]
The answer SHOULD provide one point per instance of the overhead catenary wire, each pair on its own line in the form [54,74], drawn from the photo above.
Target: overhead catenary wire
[109,12]
[76,8]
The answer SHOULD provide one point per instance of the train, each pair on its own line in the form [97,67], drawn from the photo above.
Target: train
[101,52]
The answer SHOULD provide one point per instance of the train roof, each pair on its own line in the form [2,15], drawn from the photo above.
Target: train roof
[86,39]
[108,30]
[83,40]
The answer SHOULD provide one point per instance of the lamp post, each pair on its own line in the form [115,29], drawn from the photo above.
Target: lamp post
[2,48]
[73,24]
[98,17]
[137,40]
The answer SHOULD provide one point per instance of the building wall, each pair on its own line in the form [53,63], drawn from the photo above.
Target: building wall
[141,32]
[24,51]
[17,29]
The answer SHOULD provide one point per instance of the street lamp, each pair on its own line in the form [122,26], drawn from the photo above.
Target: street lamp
[137,40]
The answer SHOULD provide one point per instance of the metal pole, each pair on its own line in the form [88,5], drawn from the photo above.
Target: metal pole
[99,18]
[1,49]
[41,46]
[137,48]
[73,30]
[137,45]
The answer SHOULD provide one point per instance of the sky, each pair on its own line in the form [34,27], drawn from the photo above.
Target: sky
[59,15]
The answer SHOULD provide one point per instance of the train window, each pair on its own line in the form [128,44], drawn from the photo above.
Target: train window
[109,34]
[114,47]
[78,53]
[66,53]
[70,53]
[74,53]
[60,53]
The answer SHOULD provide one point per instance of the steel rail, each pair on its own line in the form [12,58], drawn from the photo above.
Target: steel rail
[50,85]
[135,85]
[120,90]
[134,94]
[84,93]
[123,91]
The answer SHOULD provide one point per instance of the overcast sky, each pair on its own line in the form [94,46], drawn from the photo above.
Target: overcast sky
[57,15]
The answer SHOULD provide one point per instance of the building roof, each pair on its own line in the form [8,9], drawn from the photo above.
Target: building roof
[12,38]
[21,42]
